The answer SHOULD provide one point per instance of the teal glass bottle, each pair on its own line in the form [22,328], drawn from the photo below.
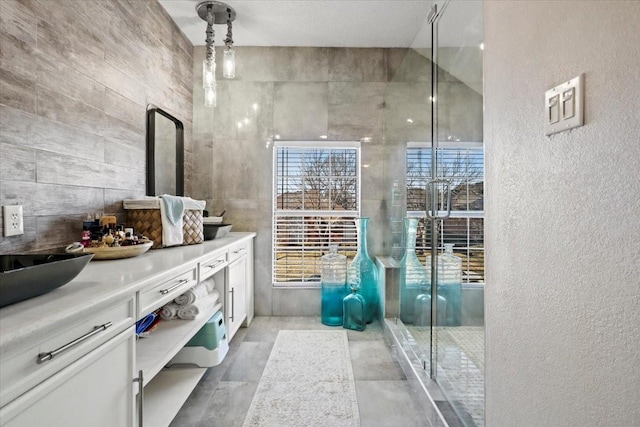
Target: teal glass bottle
[333,284]
[354,307]
[413,275]
[362,273]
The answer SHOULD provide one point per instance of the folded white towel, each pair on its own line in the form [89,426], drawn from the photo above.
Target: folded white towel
[154,203]
[188,312]
[172,234]
[169,311]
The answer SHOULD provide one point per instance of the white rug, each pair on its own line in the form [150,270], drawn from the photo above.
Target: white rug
[308,381]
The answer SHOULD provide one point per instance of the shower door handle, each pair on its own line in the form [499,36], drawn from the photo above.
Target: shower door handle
[432,212]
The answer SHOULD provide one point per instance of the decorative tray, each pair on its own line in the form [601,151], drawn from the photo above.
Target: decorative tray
[111,252]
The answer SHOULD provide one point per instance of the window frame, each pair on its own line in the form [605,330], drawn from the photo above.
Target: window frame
[283,213]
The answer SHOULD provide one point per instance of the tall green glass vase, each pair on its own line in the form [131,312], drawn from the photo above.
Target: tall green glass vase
[413,275]
[362,273]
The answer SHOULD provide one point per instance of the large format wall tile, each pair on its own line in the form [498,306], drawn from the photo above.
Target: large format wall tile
[73,96]
[356,65]
[355,110]
[296,64]
[300,110]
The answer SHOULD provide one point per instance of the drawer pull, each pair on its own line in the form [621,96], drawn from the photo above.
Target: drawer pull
[215,264]
[239,251]
[44,357]
[177,285]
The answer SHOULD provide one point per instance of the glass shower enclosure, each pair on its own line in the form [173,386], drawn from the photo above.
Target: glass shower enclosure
[434,148]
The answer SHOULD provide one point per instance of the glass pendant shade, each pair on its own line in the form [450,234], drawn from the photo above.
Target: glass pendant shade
[208,73]
[229,64]
[210,97]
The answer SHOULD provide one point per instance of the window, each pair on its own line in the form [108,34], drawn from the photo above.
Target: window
[316,196]
[463,165]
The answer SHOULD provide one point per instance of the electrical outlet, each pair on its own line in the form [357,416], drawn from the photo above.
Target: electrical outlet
[13,221]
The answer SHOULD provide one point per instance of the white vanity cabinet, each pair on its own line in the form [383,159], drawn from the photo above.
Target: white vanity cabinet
[95,390]
[70,357]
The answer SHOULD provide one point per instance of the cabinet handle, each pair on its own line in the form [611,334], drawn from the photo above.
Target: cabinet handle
[140,381]
[232,305]
[44,357]
[215,264]
[236,252]
[177,285]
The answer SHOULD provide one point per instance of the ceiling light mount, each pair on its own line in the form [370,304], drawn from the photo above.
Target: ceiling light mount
[222,13]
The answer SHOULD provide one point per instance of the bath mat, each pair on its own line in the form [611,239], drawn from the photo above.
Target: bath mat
[308,381]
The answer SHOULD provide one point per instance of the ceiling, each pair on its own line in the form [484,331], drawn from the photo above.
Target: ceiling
[334,23]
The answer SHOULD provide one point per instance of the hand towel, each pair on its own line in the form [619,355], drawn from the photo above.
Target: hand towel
[171,212]
[188,312]
[169,311]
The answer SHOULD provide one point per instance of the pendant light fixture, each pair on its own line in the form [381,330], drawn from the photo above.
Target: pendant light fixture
[215,12]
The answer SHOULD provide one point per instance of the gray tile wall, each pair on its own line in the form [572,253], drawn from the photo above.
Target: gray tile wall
[301,94]
[76,77]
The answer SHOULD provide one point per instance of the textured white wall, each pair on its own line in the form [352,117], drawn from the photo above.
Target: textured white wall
[563,216]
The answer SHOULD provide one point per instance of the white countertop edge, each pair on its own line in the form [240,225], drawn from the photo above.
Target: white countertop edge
[102,283]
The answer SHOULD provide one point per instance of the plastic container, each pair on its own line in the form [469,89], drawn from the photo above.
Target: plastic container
[354,311]
[333,282]
[208,347]
[449,283]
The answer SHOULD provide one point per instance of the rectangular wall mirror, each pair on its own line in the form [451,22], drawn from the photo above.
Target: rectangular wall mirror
[165,153]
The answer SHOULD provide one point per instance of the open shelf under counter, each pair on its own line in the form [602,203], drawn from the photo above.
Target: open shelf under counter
[166,394]
[162,344]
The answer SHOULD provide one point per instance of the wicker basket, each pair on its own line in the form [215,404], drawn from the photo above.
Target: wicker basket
[148,223]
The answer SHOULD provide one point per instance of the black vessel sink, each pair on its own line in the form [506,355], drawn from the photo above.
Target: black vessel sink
[27,276]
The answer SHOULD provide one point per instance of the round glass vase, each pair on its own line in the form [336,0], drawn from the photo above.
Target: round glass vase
[333,284]
[362,273]
[413,275]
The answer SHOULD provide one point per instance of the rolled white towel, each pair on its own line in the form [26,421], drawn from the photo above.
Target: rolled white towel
[188,312]
[192,295]
[169,311]
[210,284]
[187,298]
[215,295]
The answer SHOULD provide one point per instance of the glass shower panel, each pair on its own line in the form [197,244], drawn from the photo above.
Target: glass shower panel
[459,367]
[407,118]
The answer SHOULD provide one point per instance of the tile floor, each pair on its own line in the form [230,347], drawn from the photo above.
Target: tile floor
[223,396]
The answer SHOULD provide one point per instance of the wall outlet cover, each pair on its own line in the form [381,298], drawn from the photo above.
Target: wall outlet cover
[13,220]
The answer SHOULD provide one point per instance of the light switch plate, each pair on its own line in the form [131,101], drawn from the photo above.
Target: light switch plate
[13,220]
[564,106]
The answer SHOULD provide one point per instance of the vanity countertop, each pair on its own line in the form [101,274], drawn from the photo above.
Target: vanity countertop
[101,283]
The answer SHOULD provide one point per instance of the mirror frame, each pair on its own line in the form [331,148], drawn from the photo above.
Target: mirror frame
[151,149]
